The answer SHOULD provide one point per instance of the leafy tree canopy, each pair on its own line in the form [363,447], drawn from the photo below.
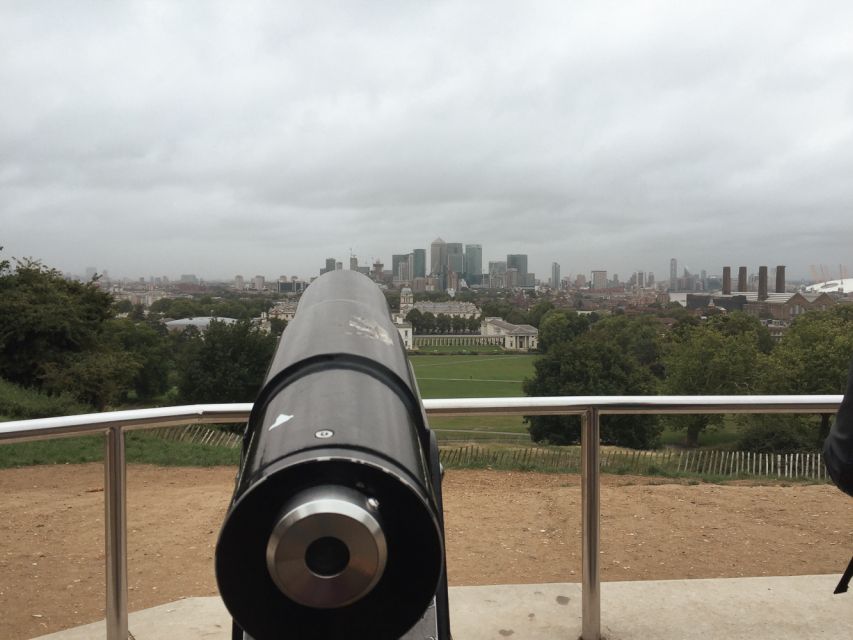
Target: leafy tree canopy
[225,364]
[811,358]
[604,360]
[45,320]
[703,360]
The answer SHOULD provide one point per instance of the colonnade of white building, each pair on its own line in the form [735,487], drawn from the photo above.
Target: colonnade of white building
[458,341]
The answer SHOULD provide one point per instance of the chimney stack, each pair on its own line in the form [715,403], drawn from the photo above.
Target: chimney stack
[741,279]
[727,281]
[780,279]
[762,283]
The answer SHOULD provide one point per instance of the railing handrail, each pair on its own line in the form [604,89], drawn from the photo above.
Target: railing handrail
[589,408]
[90,423]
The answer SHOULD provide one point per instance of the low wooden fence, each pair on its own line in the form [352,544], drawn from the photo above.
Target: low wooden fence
[746,464]
[803,466]
[201,434]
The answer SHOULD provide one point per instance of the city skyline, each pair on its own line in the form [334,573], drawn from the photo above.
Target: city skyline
[747,273]
[596,135]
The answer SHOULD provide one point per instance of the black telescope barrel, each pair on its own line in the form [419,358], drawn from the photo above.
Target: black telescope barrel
[334,530]
[351,313]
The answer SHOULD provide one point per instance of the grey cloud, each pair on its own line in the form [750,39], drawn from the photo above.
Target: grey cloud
[264,138]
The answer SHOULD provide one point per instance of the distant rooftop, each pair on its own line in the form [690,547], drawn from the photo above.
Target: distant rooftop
[510,329]
[201,323]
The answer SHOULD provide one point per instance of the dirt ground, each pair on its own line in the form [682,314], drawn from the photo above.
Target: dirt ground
[501,528]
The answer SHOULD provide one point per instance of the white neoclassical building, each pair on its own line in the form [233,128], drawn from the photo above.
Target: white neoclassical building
[517,337]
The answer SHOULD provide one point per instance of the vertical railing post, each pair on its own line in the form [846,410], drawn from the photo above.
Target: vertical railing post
[591,505]
[115,539]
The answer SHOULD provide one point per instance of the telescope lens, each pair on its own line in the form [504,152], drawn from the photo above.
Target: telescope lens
[327,549]
[327,557]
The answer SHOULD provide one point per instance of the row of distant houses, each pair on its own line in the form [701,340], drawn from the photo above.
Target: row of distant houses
[783,307]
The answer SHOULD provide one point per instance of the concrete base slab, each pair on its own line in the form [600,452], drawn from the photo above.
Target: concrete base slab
[778,608]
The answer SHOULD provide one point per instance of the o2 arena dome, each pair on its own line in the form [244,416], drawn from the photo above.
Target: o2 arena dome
[844,285]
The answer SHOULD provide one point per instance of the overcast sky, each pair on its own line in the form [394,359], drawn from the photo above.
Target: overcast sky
[260,138]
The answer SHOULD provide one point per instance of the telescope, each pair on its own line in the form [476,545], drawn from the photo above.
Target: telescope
[336,528]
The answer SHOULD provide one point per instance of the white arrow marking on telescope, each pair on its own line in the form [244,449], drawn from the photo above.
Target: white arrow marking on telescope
[279,421]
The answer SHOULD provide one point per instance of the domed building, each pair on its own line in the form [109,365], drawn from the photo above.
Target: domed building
[842,285]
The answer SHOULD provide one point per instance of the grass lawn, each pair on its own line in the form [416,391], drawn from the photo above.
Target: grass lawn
[487,376]
[142,447]
[482,376]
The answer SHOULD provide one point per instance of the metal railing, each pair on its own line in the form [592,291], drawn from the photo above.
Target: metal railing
[589,408]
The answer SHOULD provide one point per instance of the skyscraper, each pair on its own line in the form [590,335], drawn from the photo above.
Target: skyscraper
[555,276]
[403,273]
[438,257]
[512,278]
[497,275]
[396,260]
[673,274]
[474,263]
[518,261]
[455,258]
[419,263]
[599,279]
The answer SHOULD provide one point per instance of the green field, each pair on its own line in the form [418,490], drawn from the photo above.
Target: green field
[482,376]
[485,376]
[494,376]
[142,447]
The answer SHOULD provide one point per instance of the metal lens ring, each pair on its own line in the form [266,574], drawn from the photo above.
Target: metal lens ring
[327,549]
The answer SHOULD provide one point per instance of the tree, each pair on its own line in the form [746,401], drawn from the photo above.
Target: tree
[458,324]
[100,377]
[415,318]
[277,326]
[704,361]
[739,323]
[428,323]
[777,434]
[638,336]
[225,364]
[515,316]
[560,326]
[813,355]
[538,311]
[123,306]
[149,349]
[442,323]
[593,363]
[184,308]
[45,320]
[393,300]
[811,358]
[497,308]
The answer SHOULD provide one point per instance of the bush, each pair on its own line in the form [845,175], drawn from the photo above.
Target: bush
[19,403]
[779,434]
